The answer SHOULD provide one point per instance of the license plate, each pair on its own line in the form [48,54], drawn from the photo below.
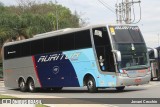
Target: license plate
[141,71]
[138,80]
[131,72]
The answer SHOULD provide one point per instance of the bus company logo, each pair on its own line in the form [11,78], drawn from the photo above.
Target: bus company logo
[53,57]
[13,52]
[58,57]
[56,69]
[126,27]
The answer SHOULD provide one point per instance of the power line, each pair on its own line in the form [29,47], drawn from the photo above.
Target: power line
[140,14]
[134,16]
[108,4]
[104,4]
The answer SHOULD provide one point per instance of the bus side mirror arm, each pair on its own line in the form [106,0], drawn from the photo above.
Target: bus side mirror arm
[118,55]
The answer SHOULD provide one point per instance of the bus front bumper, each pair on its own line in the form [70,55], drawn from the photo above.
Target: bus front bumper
[127,81]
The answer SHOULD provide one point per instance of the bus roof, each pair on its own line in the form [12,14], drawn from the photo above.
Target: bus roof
[59,32]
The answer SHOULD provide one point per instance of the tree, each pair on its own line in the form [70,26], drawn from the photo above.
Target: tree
[30,18]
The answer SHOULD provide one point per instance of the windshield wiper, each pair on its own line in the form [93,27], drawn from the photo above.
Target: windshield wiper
[129,68]
[136,67]
[144,66]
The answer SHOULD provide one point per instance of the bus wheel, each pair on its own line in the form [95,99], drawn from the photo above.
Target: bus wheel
[91,85]
[31,85]
[57,88]
[22,85]
[120,88]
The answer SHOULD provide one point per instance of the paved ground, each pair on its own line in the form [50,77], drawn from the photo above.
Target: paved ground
[150,90]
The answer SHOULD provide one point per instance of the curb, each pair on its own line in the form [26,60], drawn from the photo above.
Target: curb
[1,83]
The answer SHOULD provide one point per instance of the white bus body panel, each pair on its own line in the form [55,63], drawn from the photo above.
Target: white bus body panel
[16,68]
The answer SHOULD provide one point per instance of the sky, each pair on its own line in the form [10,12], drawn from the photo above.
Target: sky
[95,13]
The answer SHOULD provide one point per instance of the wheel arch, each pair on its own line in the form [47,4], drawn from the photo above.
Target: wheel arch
[86,77]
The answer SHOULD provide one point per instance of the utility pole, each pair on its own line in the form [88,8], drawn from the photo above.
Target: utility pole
[57,26]
[119,13]
[123,11]
[128,11]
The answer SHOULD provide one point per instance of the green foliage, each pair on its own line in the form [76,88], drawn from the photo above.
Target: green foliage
[41,105]
[33,18]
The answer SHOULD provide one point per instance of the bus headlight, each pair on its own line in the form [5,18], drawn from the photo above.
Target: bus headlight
[149,71]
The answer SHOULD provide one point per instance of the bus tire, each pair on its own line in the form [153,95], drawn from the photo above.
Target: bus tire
[31,85]
[91,85]
[120,88]
[22,85]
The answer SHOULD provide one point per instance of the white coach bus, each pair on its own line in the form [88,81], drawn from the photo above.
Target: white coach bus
[101,56]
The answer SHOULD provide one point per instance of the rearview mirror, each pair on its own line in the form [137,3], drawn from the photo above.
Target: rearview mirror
[155,53]
[118,55]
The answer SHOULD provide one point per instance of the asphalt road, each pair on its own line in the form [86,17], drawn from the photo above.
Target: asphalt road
[151,90]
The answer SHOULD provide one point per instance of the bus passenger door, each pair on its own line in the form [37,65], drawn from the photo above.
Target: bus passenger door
[101,57]
[103,49]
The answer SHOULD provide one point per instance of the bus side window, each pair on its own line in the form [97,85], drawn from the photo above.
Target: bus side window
[82,39]
[51,44]
[13,51]
[66,42]
[25,48]
[37,47]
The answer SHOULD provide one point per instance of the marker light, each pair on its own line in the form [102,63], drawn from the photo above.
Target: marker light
[123,74]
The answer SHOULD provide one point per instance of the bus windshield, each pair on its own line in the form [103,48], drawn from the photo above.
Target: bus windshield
[126,34]
[134,56]
[129,41]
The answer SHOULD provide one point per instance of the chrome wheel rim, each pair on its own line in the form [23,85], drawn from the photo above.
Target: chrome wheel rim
[22,84]
[90,84]
[31,86]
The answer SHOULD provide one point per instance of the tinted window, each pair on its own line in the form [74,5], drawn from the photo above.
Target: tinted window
[51,44]
[66,42]
[136,35]
[131,59]
[151,54]
[126,34]
[36,47]
[25,48]
[71,41]
[82,39]
[12,51]
[101,38]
